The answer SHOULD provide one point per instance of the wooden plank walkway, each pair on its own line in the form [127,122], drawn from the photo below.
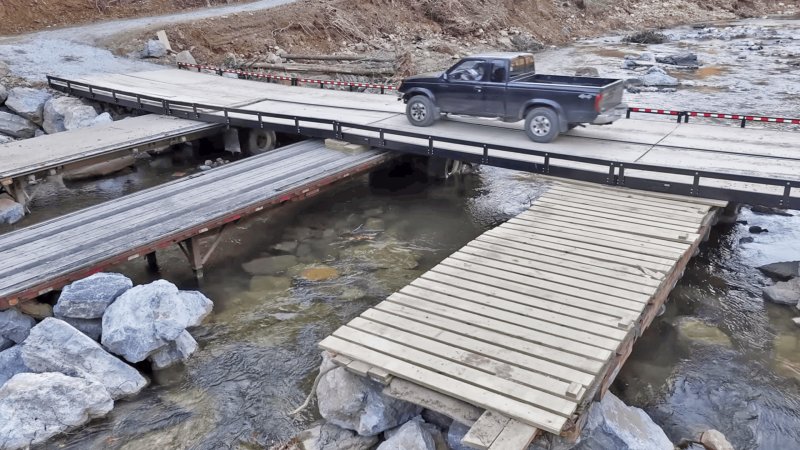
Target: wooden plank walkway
[533,319]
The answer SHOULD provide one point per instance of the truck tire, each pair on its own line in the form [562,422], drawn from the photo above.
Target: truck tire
[257,141]
[421,111]
[542,125]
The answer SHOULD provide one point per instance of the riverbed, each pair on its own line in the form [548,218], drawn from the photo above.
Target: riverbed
[258,353]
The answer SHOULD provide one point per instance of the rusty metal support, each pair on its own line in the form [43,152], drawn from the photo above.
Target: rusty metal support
[197,259]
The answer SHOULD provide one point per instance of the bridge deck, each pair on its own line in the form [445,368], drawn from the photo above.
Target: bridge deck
[533,318]
[51,254]
[20,158]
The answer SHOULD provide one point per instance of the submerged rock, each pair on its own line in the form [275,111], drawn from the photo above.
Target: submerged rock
[14,325]
[411,436]
[330,437]
[16,126]
[356,403]
[56,346]
[319,273]
[88,298]
[783,292]
[382,255]
[11,363]
[692,330]
[148,317]
[37,406]
[683,59]
[755,229]
[270,265]
[270,284]
[177,351]
[28,103]
[782,270]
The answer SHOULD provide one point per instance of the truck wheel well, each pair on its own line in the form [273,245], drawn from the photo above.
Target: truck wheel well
[411,95]
[537,105]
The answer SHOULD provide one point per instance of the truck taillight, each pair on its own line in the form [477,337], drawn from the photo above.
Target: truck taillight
[597,101]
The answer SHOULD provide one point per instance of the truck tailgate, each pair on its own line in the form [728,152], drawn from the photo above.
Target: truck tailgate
[612,95]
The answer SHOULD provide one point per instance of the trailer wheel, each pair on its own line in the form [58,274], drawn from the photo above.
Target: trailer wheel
[257,141]
[421,111]
[542,125]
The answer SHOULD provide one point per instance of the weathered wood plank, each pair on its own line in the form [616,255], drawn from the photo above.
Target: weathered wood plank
[515,436]
[484,432]
[451,407]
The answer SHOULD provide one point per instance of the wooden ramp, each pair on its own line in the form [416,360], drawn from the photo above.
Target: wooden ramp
[534,318]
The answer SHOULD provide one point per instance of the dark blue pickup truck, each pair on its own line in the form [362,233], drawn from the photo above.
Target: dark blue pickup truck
[506,85]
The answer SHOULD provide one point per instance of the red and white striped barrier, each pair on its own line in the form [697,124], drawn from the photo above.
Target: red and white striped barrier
[656,111]
[744,117]
[271,76]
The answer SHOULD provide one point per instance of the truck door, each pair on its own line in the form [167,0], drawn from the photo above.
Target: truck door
[462,91]
[494,89]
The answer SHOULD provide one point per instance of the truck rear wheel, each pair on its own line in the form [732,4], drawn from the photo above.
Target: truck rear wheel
[257,141]
[542,125]
[421,111]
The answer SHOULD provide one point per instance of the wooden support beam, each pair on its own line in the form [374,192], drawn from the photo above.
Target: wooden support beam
[455,409]
[484,432]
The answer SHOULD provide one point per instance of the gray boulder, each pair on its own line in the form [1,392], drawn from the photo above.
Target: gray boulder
[175,352]
[783,292]
[11,363]
[330,437]
[587,72]
[356,403]
[656,76]
[11,212]
[56,346]
[154,49]
[782,270]
[28,103]
[35,407]
[185,57]
[5,343]
[90,327]
[55,110]
[14,325]
[148,317]
[3,94]
[5,139]
[88,298]
[455,434]
[683,59]
[613,424]
[79,117]
[16,126]
[411,436]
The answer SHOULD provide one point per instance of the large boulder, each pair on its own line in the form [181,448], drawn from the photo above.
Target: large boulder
[55,110]
[90,327]
[56,346]
[330,437]
[11,212]
[782,270]
[154,49]
[146,318]
[88,298]
[614,425]
[185,57]
[656,76]
[411,436]
[35,407]
[28,103]
[16,126]
[356,403]
[84,116]
[682,59]
[783,292]
[14,325]
[11,363]
[3,94]
[455,434]
[715,440]
[175,352]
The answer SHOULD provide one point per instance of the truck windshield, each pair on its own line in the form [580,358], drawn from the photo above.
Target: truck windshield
[522,64]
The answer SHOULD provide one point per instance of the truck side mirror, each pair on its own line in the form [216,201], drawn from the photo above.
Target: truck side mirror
[444,76]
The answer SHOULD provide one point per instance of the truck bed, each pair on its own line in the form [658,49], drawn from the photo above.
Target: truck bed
[565,80]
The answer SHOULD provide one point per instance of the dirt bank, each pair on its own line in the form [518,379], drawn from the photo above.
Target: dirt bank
[18,16]
[437,29]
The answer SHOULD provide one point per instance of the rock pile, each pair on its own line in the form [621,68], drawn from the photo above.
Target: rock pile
[786,290]
[55,376]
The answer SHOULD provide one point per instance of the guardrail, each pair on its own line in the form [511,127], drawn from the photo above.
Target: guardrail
[612,173]
[683,116]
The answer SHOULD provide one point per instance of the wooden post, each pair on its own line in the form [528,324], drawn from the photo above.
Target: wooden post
[152,262]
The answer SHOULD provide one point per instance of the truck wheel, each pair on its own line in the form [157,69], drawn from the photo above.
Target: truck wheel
[257,141]
[421,111]
[542,125]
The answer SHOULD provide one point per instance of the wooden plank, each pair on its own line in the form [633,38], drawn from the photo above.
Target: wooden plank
[555,342]
[565,247]
[615,216]
[452,266]
[565,259]
[506,289]
[623,192]
[593,237]
[556,329]
[685,210]
[341,360]
[621,212]
[384,377]
[515,436]
[485,430]
[600,275]
[500,338]
[497,350]
[442,293]
[458,410]
[464,357]
[620,289]
[442,383]
[359,368]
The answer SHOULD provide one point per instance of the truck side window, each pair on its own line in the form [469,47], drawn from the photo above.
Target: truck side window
[471,70]
[498,72]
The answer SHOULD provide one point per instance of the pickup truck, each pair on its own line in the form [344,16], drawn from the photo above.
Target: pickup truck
[506,86]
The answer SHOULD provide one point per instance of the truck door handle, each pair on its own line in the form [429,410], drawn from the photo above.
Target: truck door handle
[478,89]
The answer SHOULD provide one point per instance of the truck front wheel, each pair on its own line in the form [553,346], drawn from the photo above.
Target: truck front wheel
[421,111]
[542,125]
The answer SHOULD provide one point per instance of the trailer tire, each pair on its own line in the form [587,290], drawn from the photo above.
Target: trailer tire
[421,111]
[257,141]
[542,124]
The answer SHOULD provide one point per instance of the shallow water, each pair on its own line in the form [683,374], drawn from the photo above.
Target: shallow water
[258,353]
